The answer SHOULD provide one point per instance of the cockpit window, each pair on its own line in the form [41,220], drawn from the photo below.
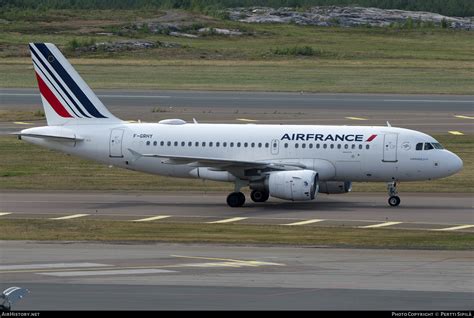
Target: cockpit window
[428,146]
[419,146]
[437,145]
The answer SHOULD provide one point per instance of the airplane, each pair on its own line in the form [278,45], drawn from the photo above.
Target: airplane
[289,162]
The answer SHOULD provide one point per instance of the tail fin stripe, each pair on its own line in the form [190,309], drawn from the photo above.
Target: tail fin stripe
[57,81]
[51,98]
[55,89]
[70,83]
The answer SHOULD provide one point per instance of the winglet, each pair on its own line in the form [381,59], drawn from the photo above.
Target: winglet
[388,124]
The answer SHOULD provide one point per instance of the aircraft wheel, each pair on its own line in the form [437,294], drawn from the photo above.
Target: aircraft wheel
[236,199]
[394,200]
[259,196]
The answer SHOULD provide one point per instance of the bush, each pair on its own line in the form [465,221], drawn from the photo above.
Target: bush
[297,50]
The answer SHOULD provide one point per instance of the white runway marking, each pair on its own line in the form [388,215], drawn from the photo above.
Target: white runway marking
[379,225]
[356,118]
[460,227]
[68,217]
[248,120]
[455,132]
[135,96]
[227,220]
[4,213]
[52,265]
[463,117]
[22,123]
[428,101]
[153,218]
[108,272]
[305,222]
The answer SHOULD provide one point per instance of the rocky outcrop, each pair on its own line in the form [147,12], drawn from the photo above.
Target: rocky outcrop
[347,16]
[129,45]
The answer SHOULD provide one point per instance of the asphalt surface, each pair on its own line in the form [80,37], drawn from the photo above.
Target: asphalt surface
[417,211]
[66,275]
[428,113]
[88,276]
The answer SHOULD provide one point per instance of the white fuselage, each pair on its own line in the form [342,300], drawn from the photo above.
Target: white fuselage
[337,153]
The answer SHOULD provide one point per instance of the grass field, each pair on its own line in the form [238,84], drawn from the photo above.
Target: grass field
[25,166]
[96,230]
[358,60]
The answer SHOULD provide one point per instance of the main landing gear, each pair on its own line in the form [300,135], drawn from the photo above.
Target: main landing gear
[236,199]
[259,196]
[394,199]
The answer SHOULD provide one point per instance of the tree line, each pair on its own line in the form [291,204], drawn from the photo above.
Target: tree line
[460,8]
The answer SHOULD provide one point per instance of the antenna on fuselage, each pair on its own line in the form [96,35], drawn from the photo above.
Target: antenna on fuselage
[388,124]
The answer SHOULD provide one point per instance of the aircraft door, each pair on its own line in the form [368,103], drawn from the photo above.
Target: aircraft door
[115,144]
[390,147]
[275,146]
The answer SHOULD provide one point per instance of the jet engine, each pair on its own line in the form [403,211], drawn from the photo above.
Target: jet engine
[335,187]
[297,185]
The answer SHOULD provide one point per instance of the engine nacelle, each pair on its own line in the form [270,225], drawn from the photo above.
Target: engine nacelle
[297,185]
[335,187]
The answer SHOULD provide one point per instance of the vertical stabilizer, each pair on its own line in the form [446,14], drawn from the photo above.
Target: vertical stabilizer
[66,98]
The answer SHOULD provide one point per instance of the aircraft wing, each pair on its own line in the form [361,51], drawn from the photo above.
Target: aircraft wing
[218,163]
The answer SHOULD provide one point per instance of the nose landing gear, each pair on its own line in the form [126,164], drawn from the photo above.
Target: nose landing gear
[394,199]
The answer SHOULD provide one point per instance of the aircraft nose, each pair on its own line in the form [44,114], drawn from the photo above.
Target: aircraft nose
[455,163]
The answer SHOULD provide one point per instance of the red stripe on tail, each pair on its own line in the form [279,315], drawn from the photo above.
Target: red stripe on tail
[52,100]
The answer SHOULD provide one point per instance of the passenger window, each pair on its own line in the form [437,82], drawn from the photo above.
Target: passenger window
[419,146]
[196,143]
[303,146]
[367,146]
[339,146]
[217,144]
[183,144]
[224,144]
[231,144]
[259,145]
[210,144]
[203,144]
[252,145]
[325,146]
[286,145]
[168,143]
[246,144]
[162,143]
[353,146]
[148,143]
[360,146]
[155,143]
[296,145]
[317,146]
[428,146]
[267,145]
[238,144]
[311,146]
[332,146]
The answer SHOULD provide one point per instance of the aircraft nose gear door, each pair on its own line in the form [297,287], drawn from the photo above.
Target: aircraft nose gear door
[116,143]
[274,145]
[390,148]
